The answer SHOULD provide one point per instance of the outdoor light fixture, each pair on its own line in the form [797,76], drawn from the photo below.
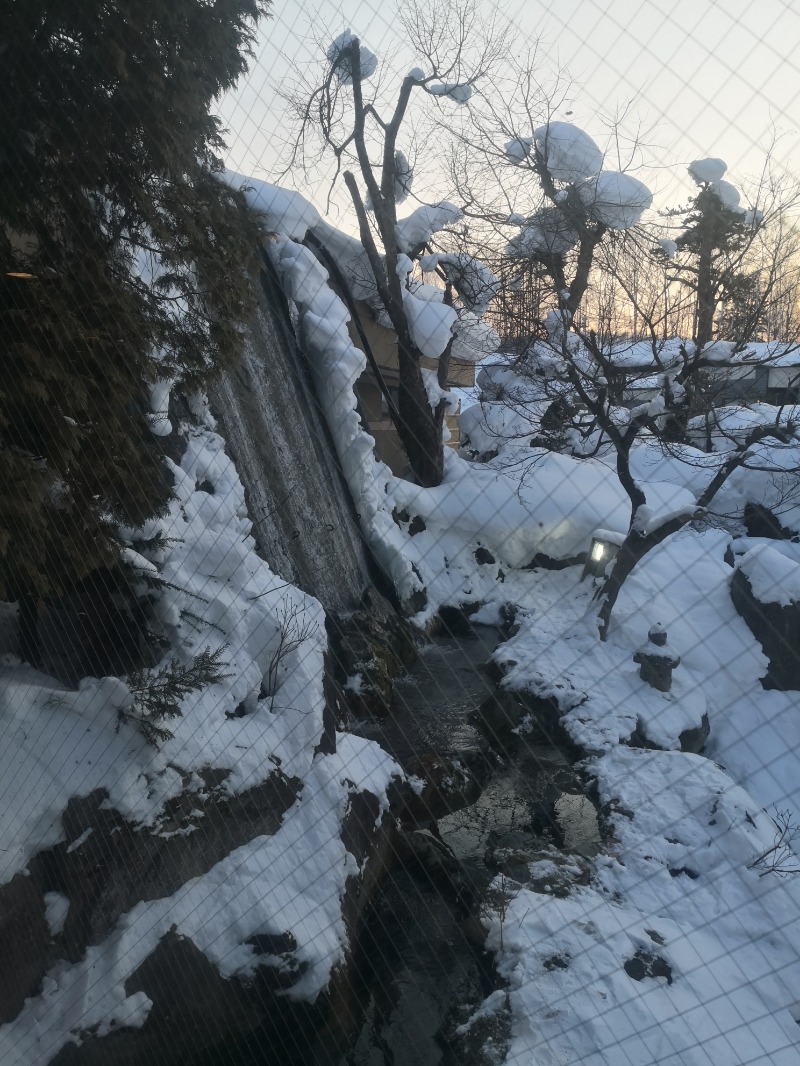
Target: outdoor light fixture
[605,546]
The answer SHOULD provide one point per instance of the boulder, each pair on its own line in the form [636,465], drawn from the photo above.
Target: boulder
[776,627]
[369,648]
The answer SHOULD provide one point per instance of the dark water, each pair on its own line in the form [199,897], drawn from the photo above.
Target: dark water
[421,968]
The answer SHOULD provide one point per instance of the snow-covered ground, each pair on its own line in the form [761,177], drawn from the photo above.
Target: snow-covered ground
[217,593]
[684,950]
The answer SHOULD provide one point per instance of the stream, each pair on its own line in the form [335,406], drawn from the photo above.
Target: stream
[421,968]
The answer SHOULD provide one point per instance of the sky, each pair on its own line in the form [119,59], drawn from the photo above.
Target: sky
[702,77]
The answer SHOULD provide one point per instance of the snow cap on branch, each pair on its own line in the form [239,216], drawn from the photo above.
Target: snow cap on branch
[430,322]
[668,247]
[473,339]
[476,284]
[423,222]
[728,195]
[547,232]
[460,92]
[518,149]
[568,153]
[341,62]
[616,200]
[284,211]
[707,171]
[403,177]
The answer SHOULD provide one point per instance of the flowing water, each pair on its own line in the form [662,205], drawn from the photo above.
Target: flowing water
[421,967]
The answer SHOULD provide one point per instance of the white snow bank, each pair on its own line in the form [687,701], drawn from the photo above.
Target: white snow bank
[674,889]
[290,882]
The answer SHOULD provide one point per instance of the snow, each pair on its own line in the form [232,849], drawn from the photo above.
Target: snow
[518,149]
[430,323]
[728,195]
[476,284]
[546,232]
[403,177]
[459,92]
[160,424]
[707,171]
[569,154]
[418,227]
[773,577]
[668,247]
[56,909]
[617,200]
[215,592]
[674,883]
[282,210]
[342,64]
[474,339]
[291,882]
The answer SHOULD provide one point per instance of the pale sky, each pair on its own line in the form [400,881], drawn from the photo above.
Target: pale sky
[709,77]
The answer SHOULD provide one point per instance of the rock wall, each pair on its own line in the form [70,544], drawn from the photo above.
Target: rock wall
[303,517]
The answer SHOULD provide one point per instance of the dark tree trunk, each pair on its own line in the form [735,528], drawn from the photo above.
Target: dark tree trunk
[419,428]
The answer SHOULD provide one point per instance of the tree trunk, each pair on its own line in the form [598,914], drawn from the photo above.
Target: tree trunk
[419,427]
[706,301]
[634,548]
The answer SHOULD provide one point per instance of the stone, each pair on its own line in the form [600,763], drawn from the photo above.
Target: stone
[657,660]
[370,648]
[776,627]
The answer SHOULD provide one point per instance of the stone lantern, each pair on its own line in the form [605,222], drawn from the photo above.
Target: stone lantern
[657,660]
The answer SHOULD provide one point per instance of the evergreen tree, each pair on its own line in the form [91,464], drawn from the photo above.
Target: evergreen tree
[124,260]
[710,250]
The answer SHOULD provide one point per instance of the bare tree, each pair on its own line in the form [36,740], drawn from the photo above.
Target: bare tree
[364,138]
